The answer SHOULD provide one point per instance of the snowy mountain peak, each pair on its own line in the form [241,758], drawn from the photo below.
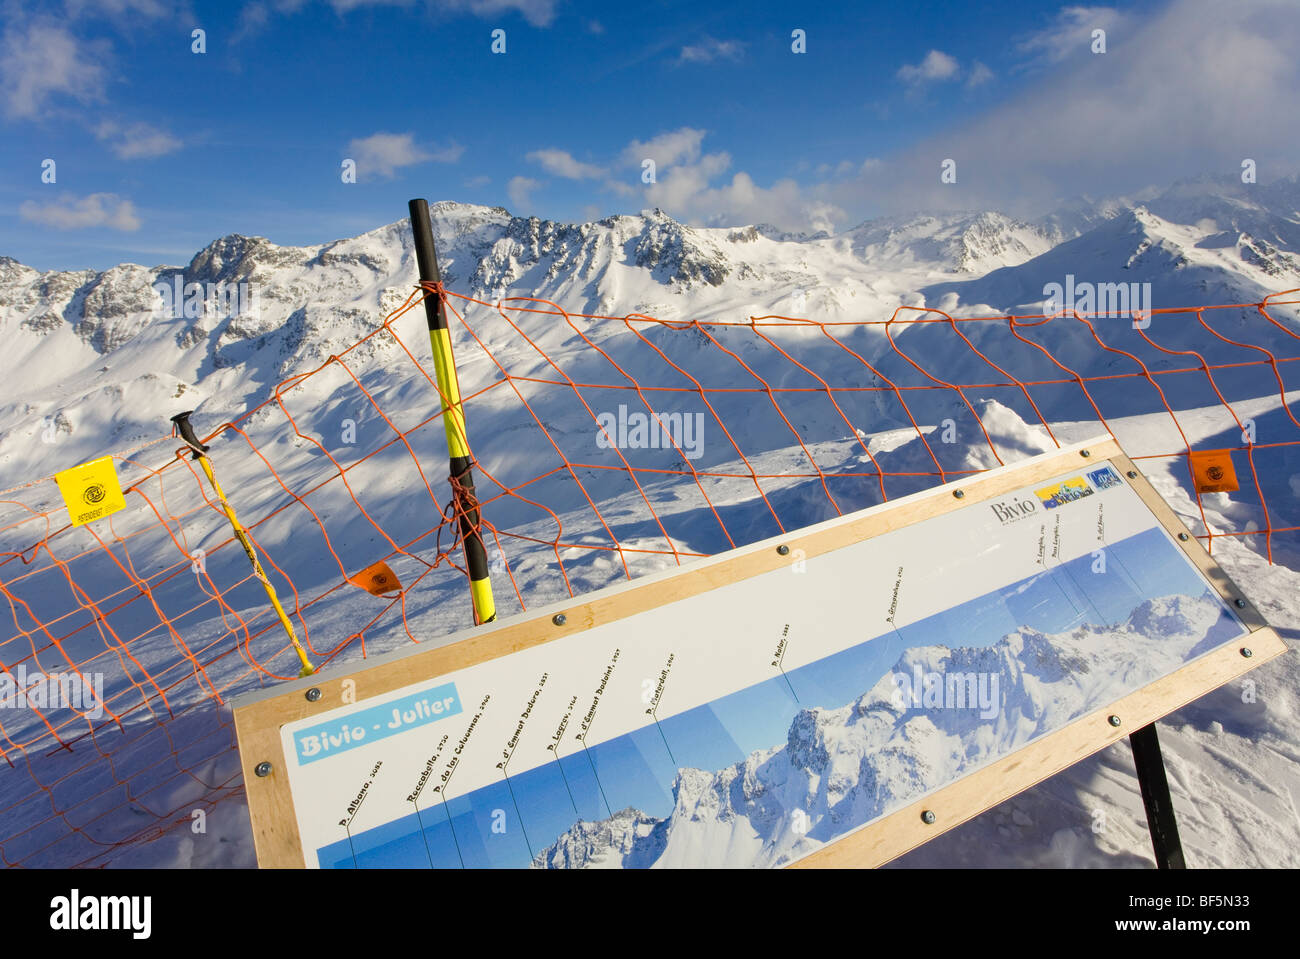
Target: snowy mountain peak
[1174,616]
[620,840]
[971,242]
[225,257]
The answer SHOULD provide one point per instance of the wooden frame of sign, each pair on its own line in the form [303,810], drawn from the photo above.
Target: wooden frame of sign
[260,716]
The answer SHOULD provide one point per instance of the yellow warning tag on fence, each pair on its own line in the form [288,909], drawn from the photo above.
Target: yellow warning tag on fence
[91,491]
[1213,471]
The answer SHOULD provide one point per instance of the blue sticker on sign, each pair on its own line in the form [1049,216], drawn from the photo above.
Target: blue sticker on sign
[1104,478]
[376,723]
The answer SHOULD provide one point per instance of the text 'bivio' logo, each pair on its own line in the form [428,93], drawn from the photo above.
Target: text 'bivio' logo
[1010,510]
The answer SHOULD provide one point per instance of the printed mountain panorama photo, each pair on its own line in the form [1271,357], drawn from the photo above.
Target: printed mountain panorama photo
[866,730]
[844,767]
[692,285]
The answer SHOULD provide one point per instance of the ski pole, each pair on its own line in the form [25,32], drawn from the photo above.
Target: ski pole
[453,417]
[182,421]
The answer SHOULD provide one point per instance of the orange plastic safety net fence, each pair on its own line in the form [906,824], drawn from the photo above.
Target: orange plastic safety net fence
[604,447]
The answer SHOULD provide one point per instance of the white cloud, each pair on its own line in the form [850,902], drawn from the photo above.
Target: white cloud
[785,204]
[1191,89]
[252,20]
[936,65]
[117,8]
[1070,34]
[140,140]
[42,61]
[677,187]
[561,163]
[687,187]
[709,49]
[846,168]
[344,6]
[73,213]
[939,67]
[539,13]
[254,16]
[518,189]
[979,75]
[383,154]
[665,149]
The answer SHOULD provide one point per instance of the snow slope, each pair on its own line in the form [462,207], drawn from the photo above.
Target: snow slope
[90,355]
[92,365]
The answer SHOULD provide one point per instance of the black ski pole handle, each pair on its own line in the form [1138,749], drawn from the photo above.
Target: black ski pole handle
[182,421]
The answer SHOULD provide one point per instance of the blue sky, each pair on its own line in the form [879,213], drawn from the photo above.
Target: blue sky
[158,149]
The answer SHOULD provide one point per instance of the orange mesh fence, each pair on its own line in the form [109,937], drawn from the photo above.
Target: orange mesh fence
[604,448]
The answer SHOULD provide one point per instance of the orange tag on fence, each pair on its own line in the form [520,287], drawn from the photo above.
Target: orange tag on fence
[1213,471]
[376,579]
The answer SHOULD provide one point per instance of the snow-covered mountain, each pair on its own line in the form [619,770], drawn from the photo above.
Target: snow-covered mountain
[91,356]
[846,766]
[965,244]
[1212,259]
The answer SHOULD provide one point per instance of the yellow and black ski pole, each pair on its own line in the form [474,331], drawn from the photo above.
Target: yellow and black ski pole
[453,417]
[182,421]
